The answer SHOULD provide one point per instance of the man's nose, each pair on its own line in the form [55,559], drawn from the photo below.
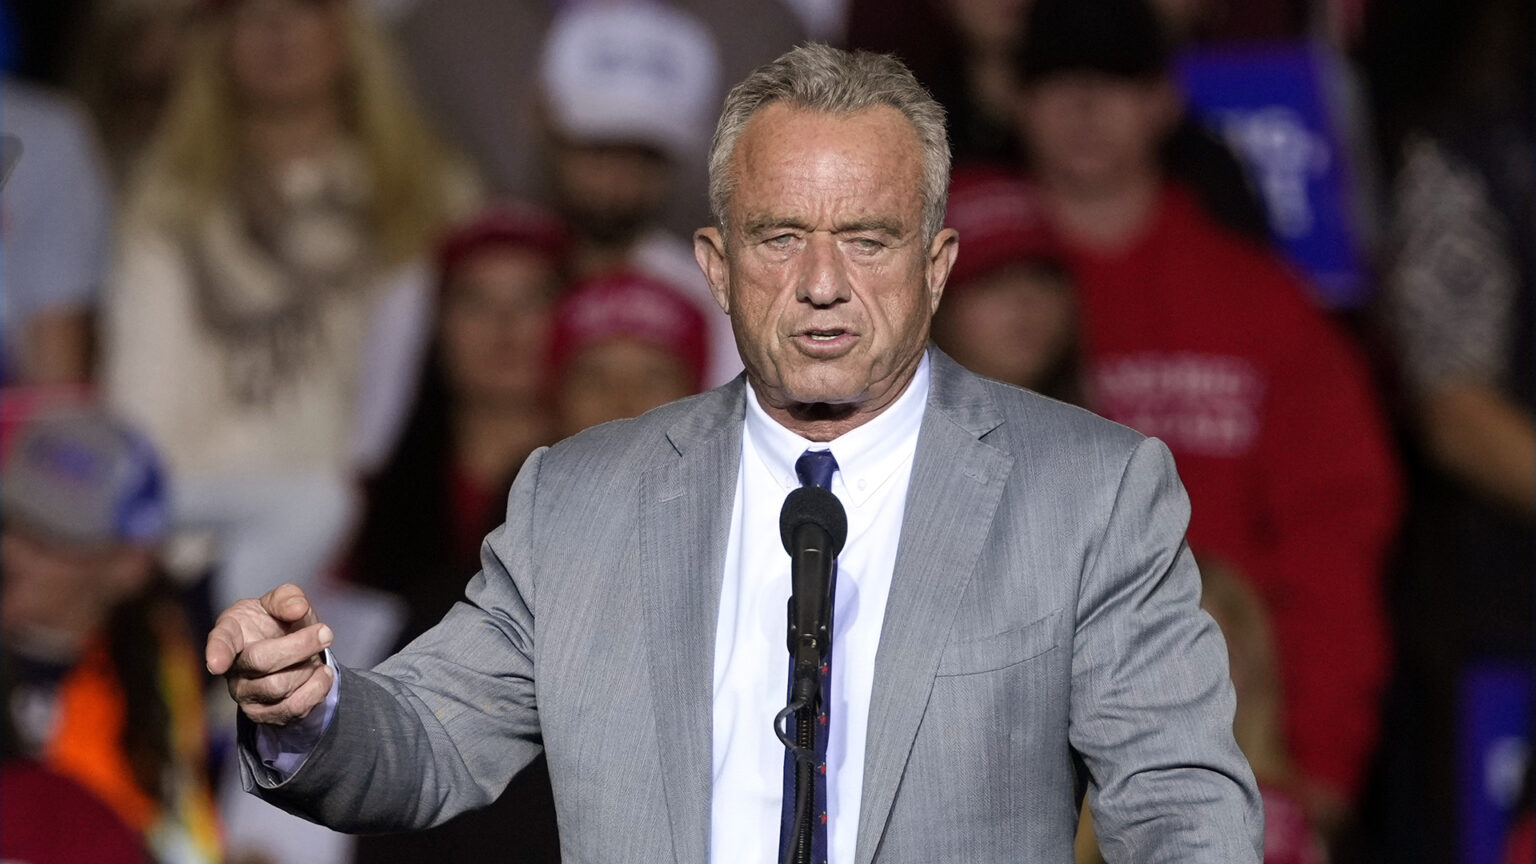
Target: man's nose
[823,278]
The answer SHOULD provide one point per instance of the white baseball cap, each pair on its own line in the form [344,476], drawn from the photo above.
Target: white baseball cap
[634,73]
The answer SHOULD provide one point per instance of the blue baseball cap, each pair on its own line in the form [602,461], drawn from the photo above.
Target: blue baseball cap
[86,479]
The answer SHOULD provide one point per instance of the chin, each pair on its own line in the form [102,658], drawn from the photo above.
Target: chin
[826,395]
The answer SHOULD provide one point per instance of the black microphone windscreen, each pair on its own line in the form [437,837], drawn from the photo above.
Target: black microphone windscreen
[817,506]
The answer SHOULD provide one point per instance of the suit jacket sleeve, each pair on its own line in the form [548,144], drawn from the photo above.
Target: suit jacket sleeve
[442,726]
[1152,703]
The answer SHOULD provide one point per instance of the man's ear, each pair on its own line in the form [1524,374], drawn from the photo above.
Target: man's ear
[709,251]
[941,259]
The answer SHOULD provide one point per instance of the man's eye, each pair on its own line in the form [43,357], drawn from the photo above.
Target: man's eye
[867,244]
[780,240]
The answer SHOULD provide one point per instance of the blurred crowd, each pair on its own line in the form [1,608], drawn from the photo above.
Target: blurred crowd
[289,289]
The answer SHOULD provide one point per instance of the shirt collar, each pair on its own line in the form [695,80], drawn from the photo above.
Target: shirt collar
[867,456]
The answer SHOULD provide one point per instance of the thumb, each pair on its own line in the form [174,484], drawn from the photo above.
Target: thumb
[287,603]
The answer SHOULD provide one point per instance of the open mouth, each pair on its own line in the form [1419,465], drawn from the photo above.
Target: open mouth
[823,335]
[826,342]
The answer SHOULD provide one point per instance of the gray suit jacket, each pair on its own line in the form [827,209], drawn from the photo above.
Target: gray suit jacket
[1042,632]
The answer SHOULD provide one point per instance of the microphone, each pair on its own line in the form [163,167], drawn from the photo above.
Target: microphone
[813,527]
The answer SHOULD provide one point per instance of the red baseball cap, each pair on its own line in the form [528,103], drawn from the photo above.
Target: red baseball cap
[626,304]
[1000,222]
[516,224]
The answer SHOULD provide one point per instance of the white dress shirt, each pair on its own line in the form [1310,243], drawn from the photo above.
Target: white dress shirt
[751,660]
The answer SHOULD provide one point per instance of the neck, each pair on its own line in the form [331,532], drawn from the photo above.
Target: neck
[1108,217]
[279,134]
[819,421]
[491,440]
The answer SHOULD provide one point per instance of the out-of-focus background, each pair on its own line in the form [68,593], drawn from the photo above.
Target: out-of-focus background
[290,288]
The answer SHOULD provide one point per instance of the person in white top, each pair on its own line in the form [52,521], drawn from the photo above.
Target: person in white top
[626,94]
[267,310]
[1016,614]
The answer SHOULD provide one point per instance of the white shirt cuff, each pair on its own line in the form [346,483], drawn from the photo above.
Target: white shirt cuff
[284,749]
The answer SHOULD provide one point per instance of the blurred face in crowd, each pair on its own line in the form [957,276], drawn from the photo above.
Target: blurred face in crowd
[1182,19]
[608,192]
[1089,133]
[1016,324]
[286,52]
[618,378]
[824,269]
[495,324]
[56,594]
[986,23]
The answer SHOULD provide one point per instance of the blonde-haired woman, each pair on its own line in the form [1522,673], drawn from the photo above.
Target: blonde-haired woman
[265,315]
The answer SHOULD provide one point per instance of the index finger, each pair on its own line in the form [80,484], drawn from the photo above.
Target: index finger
[225,642]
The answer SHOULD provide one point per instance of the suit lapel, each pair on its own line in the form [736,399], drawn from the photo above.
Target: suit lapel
[956,484]
[685,521]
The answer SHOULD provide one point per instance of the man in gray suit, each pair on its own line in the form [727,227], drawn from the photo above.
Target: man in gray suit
[1016,612]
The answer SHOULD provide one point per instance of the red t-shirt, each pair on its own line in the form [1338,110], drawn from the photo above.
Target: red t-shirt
[474,508]
[1196,337]
[47,818]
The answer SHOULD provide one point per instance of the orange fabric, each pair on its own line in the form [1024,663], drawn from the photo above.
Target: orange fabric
[86,745]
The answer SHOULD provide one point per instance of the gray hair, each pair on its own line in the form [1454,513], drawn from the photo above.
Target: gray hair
[829,80]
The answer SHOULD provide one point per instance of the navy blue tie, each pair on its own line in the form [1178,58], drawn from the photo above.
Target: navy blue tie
[814,468]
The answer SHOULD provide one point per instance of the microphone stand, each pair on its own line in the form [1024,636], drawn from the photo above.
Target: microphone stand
[813,527]
[804,704]
[808,649]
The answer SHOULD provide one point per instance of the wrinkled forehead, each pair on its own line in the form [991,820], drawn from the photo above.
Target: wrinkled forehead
[814,164]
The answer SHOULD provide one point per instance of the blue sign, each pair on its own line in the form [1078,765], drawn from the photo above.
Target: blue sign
[1493,752]
[1271,105]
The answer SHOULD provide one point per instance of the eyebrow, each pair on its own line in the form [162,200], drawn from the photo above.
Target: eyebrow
[878,225]
[762,224]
